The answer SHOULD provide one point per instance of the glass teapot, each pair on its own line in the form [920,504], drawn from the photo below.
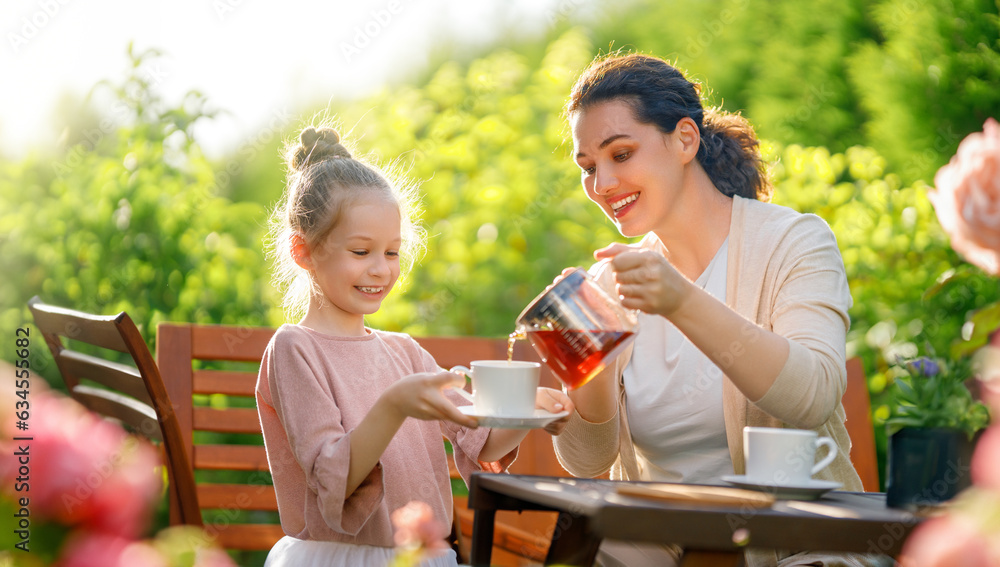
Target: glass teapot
[576,327]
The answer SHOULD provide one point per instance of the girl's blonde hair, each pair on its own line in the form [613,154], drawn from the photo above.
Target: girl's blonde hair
[323,182]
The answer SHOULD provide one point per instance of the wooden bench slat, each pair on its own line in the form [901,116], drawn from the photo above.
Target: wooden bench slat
[228,382]
[242,496]
[95,329]
[248,537]
[120,377]
[229,342]
[233,420]
[230,457]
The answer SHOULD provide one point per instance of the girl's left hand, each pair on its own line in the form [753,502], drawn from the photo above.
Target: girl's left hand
[645,279]
[554,401]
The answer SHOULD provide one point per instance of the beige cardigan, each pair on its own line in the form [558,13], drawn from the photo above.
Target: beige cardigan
[785,274]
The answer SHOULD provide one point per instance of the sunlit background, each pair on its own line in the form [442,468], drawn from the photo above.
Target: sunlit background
[251,58]
[122,190]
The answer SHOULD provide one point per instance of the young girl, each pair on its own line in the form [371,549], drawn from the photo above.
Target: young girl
[334,396]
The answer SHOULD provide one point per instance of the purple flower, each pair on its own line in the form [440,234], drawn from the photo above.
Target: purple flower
[925,366]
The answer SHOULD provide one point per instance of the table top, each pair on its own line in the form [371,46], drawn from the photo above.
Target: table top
[839,521]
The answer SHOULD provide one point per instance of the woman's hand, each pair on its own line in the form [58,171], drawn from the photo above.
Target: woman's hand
[421,396]
[645,280]
[554,401]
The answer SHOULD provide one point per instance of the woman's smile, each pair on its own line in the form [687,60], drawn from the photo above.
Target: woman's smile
[621,204]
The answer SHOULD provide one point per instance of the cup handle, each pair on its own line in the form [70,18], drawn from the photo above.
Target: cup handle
[459,390]
[831,454]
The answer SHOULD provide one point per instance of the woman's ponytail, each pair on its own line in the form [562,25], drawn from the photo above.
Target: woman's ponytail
[730,155]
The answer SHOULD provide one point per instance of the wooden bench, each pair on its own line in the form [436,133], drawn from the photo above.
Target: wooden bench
[210,373]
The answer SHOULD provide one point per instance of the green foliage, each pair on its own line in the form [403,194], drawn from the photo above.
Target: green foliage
[928,79]
[907,78]
[128,219]
[503,206]
[859,101]
[899,263]
[931,393]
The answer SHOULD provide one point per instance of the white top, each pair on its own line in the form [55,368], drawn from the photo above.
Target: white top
[675,397]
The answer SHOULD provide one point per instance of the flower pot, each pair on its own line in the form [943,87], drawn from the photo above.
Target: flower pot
[927,467]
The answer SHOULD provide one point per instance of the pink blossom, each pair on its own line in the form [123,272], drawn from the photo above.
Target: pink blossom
[948,541]
[967,198]
[213,558]
[86,549]
[986,460]
[416,526]
[85,469]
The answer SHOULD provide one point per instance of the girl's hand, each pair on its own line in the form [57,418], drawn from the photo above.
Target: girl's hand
[421,396]
[554,401]
[645,280]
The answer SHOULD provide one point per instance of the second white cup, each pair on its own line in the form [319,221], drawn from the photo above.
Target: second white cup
[501,388]
[784,457]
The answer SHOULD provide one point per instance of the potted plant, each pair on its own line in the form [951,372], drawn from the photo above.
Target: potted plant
[932,430]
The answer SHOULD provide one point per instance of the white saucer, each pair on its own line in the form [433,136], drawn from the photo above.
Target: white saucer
[541,418]
[809,491]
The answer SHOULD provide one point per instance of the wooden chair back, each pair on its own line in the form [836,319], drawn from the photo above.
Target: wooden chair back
[126,389]
[211,373]
[857,406]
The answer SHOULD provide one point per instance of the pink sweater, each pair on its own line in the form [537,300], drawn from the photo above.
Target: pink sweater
[313,389]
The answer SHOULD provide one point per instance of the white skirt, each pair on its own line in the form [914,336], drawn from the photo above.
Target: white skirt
[292,552]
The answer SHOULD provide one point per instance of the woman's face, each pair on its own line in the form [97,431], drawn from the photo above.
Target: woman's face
[632,170]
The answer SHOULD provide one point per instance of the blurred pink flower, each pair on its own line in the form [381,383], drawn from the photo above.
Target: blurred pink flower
[967,198]
[948,541]
[84,470]
[986,460]
[213,558]
[416,527]
[179,544]
[88,549]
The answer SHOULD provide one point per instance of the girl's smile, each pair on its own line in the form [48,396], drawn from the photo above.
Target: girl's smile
[357,264]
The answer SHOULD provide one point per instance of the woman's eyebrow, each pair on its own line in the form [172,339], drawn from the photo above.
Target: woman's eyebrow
[605,143]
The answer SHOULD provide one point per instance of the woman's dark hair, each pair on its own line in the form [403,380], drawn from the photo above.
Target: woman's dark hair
[659,94]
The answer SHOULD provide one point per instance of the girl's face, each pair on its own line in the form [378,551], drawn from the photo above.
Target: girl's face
[358,263]
[632,170]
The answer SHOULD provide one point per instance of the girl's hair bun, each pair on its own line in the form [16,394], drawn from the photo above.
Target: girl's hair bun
[317,145]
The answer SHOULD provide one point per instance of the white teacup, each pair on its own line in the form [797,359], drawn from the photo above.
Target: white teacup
[784,457]
[501,388]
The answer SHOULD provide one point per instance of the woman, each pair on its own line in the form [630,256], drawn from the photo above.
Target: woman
[743,304]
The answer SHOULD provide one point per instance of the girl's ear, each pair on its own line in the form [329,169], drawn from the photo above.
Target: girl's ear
[689,138]
[300,251]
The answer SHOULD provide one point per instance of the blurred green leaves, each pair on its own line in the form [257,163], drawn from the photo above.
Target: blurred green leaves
[856,101]
[128,218]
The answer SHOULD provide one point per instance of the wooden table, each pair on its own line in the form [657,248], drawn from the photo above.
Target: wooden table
[591,510]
